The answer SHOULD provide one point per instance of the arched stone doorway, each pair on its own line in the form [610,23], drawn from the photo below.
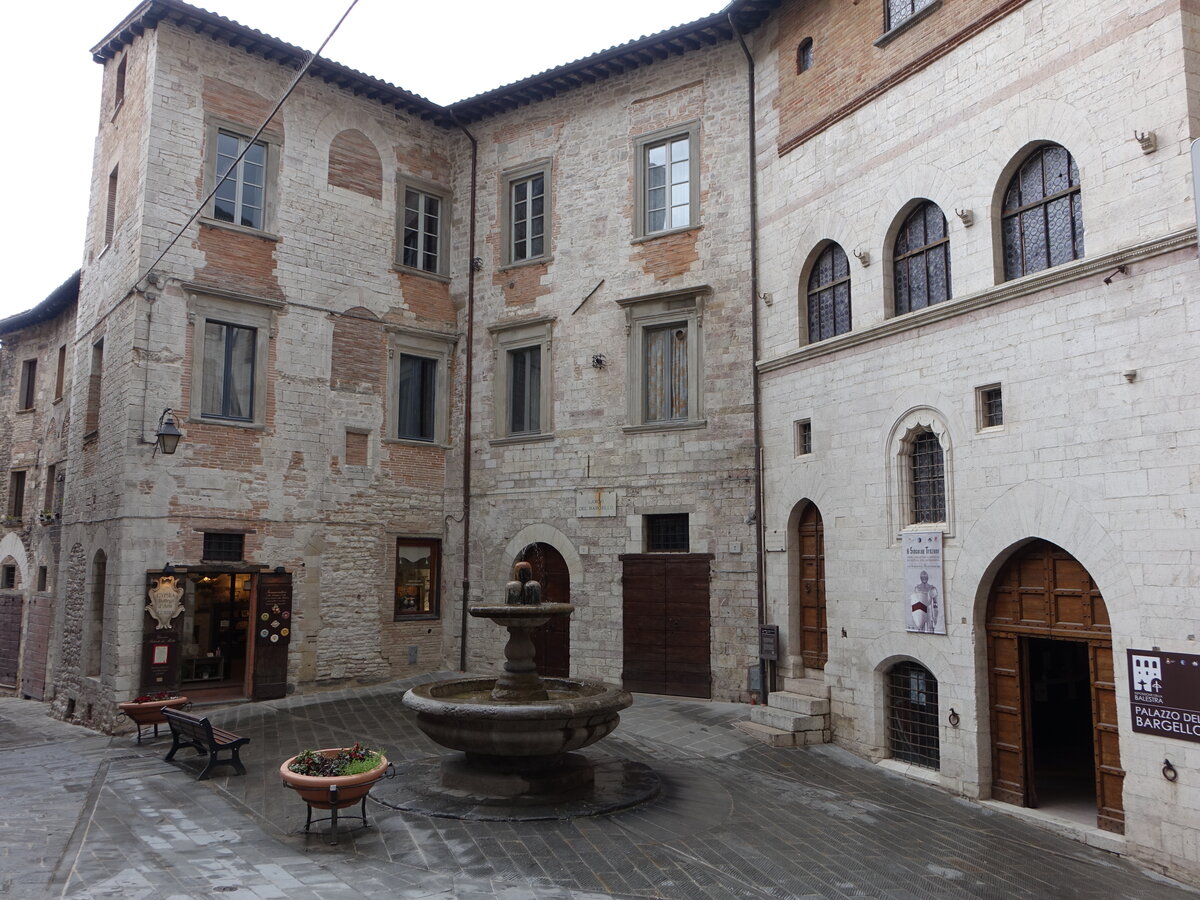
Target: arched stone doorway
[551,642]
[813,637]
[1053,696]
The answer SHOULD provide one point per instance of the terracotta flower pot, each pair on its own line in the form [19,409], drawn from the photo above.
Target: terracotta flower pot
[315,788]
[149,712]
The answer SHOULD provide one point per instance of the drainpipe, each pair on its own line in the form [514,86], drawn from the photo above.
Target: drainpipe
[468,387]
[760,525]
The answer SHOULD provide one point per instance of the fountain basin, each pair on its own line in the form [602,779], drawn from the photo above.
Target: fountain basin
[461,714]
[511,615]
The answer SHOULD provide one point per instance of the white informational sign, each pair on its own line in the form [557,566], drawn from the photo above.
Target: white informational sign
[924,604]
[595,503]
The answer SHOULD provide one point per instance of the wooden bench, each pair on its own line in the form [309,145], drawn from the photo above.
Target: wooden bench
[196,731]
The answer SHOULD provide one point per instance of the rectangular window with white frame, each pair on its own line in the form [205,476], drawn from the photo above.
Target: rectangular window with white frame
[419,383]
[423,216]
[667,182]
[229,355]
[523,386]
[527,213]
[243,173]
[665,348]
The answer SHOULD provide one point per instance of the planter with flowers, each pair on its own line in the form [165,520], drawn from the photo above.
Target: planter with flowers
[334,778]
[147,709]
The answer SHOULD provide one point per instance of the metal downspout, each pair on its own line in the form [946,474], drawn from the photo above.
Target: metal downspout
[468,388]
[759,524]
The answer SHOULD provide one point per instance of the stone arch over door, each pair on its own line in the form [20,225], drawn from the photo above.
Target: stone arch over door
[1044,604]
[808,637]
[555,547]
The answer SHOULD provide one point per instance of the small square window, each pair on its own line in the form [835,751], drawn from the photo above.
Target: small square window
[28,384]
[220,546]
[803,437]
[667,533]
[8,577]
[418,578]
[42,578]
[990,405]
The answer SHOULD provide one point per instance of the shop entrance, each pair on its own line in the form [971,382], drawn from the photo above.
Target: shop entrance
[216,622]
[1053,696]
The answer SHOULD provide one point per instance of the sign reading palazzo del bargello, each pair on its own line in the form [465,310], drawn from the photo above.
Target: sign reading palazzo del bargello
[1164,694]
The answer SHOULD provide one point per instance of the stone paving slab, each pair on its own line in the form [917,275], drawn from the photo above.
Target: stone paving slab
[101,817]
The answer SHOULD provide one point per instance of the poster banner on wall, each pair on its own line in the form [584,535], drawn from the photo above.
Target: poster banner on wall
[924,605]
[1164,694]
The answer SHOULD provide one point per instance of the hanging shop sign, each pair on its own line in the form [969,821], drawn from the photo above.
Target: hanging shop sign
[923,603]
[1164,694]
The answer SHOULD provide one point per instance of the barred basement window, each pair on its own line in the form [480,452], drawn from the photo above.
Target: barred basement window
[667,533]
[222,547]
[913,715]
[928,479]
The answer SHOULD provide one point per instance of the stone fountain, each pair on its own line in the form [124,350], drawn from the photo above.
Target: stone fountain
[518,731]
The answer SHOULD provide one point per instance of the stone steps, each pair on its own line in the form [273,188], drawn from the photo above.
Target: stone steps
[792,718]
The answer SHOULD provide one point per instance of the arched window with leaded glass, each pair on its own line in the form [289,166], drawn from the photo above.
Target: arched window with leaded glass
[1042,216]
[829,294]
[921,260]
[928,478]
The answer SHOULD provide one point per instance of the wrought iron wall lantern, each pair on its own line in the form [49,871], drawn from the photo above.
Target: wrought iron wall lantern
[167,437]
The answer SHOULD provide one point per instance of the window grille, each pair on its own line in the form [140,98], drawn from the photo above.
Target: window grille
[803,437]
[928,478]
[991,407]
[667,532]
[921,260]
[829,295]
[913,715]
[222,547]
[900,11]
[1042,222]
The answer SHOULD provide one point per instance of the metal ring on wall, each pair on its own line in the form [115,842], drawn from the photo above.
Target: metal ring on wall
[1168,771]
[954,719]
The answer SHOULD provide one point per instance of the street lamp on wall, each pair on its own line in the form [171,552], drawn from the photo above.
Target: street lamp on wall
[167,437]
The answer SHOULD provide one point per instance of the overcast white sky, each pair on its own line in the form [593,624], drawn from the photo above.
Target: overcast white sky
[444,50]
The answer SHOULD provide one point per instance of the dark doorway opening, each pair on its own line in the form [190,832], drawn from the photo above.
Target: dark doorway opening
[551,642]
[1063,766]
[217,608]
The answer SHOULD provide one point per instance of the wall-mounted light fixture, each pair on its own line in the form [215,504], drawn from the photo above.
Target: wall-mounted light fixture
[599,361]
[1120,270]
[968,217]
[1147,140]
[863,256]
[167,437]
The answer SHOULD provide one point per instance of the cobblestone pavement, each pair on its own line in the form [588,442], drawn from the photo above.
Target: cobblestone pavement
[91,816]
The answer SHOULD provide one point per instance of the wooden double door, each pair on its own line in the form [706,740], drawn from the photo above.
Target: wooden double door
[667,623]
[1053,692]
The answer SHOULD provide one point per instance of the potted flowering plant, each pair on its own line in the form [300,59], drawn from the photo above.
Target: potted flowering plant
[336,777]
[147,709]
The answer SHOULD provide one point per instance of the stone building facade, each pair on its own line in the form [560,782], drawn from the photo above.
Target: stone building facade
[716,328]
[1006,216]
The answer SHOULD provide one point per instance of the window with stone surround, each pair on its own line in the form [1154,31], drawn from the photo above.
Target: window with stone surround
[989,407]
[921,260]
[16,494]
[666,180]
[523,379]
[243,171]
[230,340]
[418,579]
[920,473]
[418,377]
[666,359]
[422,227]
[527,213]
[666,533]
[28,384]
[1042,218]
[898,12]
[828,294]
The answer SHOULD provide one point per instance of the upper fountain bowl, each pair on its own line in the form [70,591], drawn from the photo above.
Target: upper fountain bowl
[532,615]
